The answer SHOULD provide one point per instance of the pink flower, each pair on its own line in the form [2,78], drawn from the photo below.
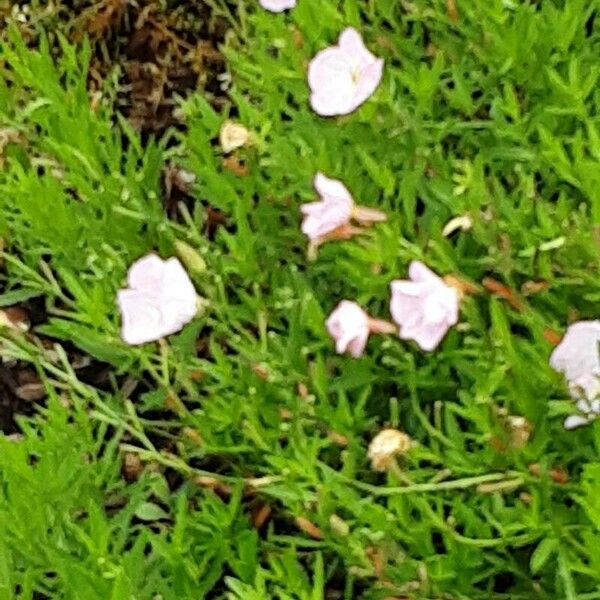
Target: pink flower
[159,301]
[342,77]
[577,357]
[330,217]
[333,210]
[277,5]
[349,326]
[424,307]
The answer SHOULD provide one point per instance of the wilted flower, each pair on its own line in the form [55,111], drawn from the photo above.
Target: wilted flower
[277,5]
[520,430]
[333,210]
[349,325]
[342,77]
[159,301]
[233,136]
[385,446]
[424,307]
[330,217]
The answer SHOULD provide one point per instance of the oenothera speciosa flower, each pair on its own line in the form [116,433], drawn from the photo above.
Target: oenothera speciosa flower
[350,326]
[342,77]
[330,218]
[277,5]
[577,357]
[159,300]
[424,307]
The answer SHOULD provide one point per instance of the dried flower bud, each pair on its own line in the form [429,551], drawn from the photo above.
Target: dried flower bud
[385,446]
[462,223]
[233,136]
[520,431]
[132,467]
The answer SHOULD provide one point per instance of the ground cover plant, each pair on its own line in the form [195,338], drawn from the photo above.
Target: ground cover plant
[241,457]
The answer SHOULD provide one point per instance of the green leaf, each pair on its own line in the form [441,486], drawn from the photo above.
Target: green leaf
[95,343]
[15,296]
[148,511]
[542,553]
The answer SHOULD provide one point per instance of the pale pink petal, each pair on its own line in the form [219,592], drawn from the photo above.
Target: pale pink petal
[160,300]
[577,357]
[368,82]
[429,336]
[311,208]
[331,81]
[330,215]
[351,42]
[405,304]
[141,318]
[356,347]
[419,272]
[342,77]
[332,211]
[146,273]
[277,5]
[424,308]
[178,286]
[332,187]
[348,325]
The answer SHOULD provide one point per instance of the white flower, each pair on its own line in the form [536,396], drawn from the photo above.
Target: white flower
[342,77]
[348,325]
[424,307]
[159,301]
[577,357]
[277,5]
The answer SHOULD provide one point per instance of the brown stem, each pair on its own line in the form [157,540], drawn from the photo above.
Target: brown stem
[366,216]
[382,327]
[464,288]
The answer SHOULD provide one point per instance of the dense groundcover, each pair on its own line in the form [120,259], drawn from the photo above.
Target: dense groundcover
[230,460]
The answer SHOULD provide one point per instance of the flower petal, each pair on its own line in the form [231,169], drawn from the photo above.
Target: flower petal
[146,273]
[277,6]
[577,357]
[419,272]
[368,82]
[141,317]
[326,186]
[575,421]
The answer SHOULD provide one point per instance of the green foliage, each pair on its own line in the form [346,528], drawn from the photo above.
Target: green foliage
[495,116]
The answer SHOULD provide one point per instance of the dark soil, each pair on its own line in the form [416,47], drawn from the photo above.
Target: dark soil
[20,388]
[157,56]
